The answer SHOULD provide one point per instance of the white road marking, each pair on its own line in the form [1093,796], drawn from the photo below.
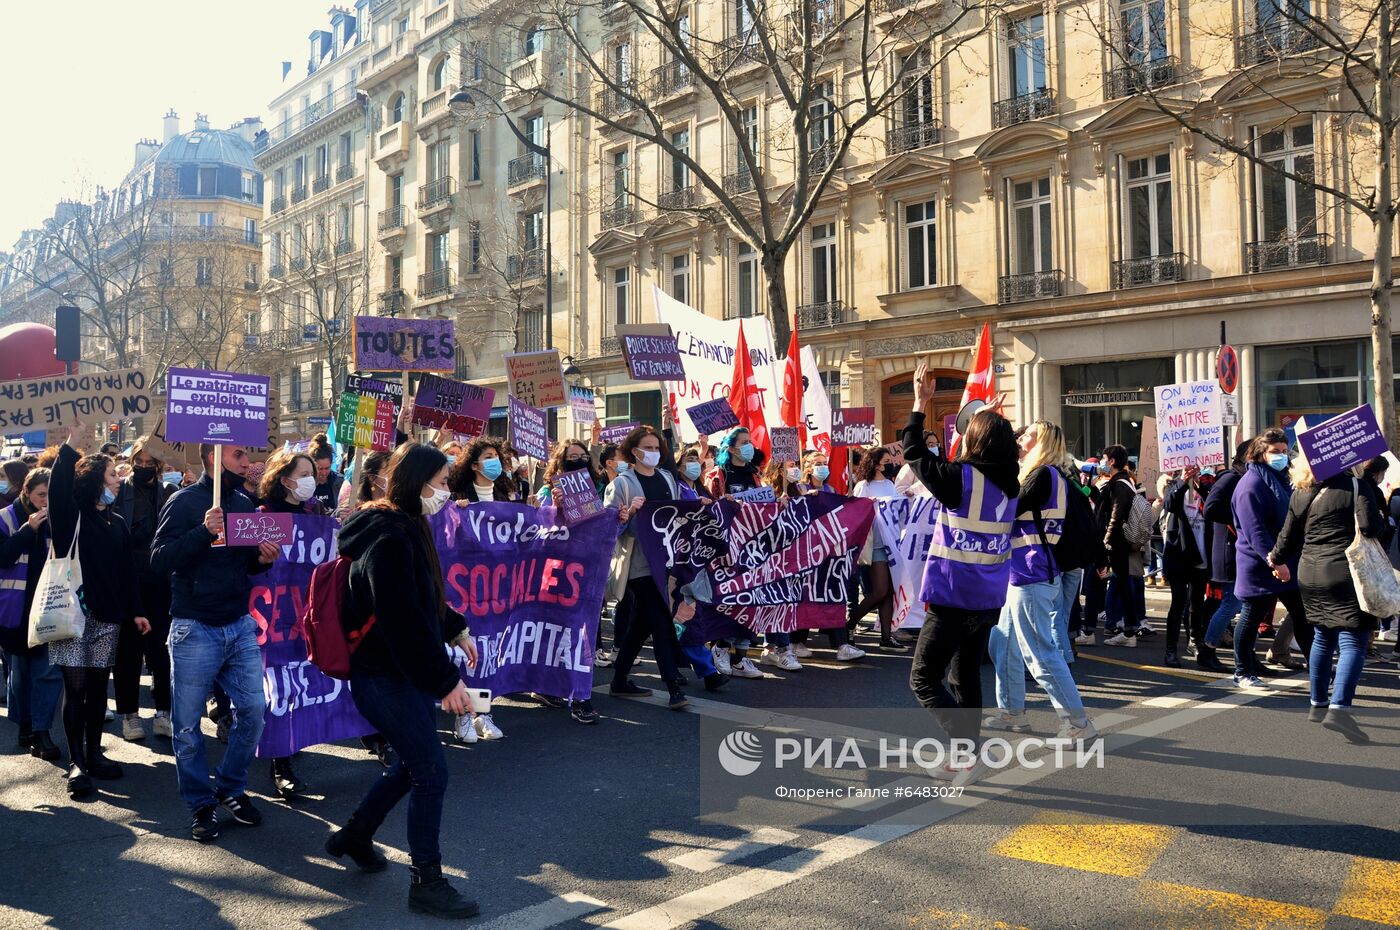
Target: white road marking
[557,910]
[1168,701]
[732,850]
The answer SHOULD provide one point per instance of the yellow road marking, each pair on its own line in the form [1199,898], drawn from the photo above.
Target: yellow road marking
[1090,844]
[1159,669]
[938,919]
[1181,907]
[1372,892]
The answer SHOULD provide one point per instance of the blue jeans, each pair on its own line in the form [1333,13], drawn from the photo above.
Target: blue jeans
[1229,606]
[1125,602]
[406,718]
[1069,594]
[32,689]
[200,656]
[1350,646]
[1024,637]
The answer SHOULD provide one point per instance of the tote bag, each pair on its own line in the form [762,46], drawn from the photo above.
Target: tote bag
[57,612]
[1377,583]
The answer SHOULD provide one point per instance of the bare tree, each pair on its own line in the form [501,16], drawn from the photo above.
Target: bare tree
[796,45]
[504,283]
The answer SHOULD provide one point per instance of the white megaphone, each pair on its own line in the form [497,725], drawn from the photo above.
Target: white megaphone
[966,414]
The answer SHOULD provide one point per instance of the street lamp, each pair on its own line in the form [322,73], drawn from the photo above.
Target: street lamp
[464,106]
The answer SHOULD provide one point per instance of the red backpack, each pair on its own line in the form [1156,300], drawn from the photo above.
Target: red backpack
[322,625]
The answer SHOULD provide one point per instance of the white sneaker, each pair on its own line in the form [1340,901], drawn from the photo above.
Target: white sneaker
[1122,639]
[745,669]
[486,727]
[602,659]
[108,716]
[132,728]
[1084,639]
[1249,683]
[464,730]
[849,653]
[771,657]
[1068,730]
[1386,636]
[801,651]
[1016,723]
[721,657]
[969,774]
[162,726]
[788,662]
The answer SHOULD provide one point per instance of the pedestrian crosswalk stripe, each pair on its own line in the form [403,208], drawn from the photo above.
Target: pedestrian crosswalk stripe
[732,850]
[1168,701]
[1371,892]
[1090,844]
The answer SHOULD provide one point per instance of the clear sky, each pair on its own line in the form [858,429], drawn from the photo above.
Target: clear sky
[84,79]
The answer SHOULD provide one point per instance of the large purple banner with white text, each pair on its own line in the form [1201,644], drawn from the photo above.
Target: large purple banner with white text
[757,567]
[531,589]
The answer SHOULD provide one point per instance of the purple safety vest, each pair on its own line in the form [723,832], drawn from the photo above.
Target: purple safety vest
[969,557]
[13,578]
[1031,561]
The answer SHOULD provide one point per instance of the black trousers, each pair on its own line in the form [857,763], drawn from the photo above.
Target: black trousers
[648,616]
[956,639]
[1188,587]
[133,649]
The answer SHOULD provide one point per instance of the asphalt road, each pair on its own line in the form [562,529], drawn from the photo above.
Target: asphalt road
[1212,809]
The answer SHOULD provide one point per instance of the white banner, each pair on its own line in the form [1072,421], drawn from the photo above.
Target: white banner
[707,352]
[905,525]
[816,404]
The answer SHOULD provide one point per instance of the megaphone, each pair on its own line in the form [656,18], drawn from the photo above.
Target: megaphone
[966,414]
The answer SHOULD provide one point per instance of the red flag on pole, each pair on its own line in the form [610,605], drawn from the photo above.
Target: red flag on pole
[980,381]
[745,399]
[792,389]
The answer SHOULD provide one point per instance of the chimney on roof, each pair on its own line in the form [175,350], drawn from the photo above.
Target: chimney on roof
[145,148]
[172,125]
[201,122]
[248,128]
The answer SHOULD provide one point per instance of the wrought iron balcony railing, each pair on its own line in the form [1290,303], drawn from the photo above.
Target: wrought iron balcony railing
[610,345]
[525,168]
[1287,252]
[1149,269]
[739,182]
[345,172]
[435,283]
[344,246]
[616,103]
[620,215]
[1032,286]
[279,203]
[681,198]
[392,302]
[828,313]
[320,182]
[1274,42]
[1024,108]
[391,218]
[1140,76]
[913,136]
[672,78]
[435,193]
[527,266]
[299,193]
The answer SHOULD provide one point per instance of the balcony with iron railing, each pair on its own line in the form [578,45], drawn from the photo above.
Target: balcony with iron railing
[392,302]
[279,203]
[277,271]
[435,195]
[524,169]
[620,214]
[678,198]
[299,263]
[1287,252]
[739,181]
[344,172]
[1013,110]
[741,51]
[391,220]
[311,114]
[320,183]
[670,79]
[610,345]
[1033,285]
[616,103]
[344,246]
[821,156]
[913,136]
[527,266]
[826,16]
[1149,269]
[1137,77]
[1274,42]
[435,283]
[299,193]
[827,313]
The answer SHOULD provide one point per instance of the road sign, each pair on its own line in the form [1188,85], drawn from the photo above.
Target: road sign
[1227,368]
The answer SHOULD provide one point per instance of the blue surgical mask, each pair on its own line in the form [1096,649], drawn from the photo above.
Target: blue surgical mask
[172,478]
[1105,468]
[623,468]
[1207,471]
[4,487]
[692,470]
[1278,461]
[109,496]
[821,472]
[491,468]
[746,452]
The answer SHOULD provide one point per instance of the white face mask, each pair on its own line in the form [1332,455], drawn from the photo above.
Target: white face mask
[305,487]
[432,505]
[794,475]
[649,458]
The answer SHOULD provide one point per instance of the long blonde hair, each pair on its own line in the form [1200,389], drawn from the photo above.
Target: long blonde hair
[1049,449]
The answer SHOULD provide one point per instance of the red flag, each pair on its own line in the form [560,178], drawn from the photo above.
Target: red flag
[745,399]
[792,389]
[838,461]
[980,383]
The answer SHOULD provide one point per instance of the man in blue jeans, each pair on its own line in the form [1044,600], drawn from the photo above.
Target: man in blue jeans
[212,638]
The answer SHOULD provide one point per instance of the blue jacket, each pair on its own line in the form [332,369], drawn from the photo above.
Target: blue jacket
[1220,520]
[1260,504]
[207,584]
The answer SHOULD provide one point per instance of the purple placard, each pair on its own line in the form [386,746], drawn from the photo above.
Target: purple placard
[576,497]
[713,416]
[652,358]
[786,447]
[853,426]
[529,429]
[390,344]
[216,406]
[253,529]
[613,435]
[452,406]
[1343,441]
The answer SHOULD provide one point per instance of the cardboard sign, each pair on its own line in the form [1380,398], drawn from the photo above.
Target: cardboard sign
[537,378]
[583,407]
[785,445]
[377,388]
[529,429]
[217,406]
[763,495]
[1229,410]
[650,351]
[713,416]
[1149,467]
[613,435]
[253,529]
[452,406]
[62,400]
[575,497]
[853,426]
[365,422]
[1188,425]
[1345,440]
[393,344]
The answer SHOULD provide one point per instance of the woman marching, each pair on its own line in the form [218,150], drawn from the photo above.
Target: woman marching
[968,570]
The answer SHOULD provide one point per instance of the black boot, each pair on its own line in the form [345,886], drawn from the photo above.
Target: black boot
[79,784]
[43,747]
[25,741]
[1206,659]
[285,780]
[1341,721]
[354,843]
[431,894]
[1170,660]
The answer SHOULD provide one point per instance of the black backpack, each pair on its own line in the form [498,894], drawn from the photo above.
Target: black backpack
[1081,538]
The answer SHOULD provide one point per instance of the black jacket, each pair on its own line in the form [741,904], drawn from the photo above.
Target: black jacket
[1220,516]
[207,584]
[111,593]
[1180,552]
[22,541]
[944,478]
[392,578]
[1114,506]
[142,526]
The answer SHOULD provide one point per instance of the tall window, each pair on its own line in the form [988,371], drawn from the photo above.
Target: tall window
[394,272]
[824,286]
[395,190]
[1030,220]
[474,168]
[279,182]
[1025,41]
[438,164]
[621,163]
[437,251]
[1280,15]
[323,161]
[622,62]
[921,243]
[748,125]
[680,277]
[396,109]
[533,129]
[532,229]
[1287,208]
[342,223]
[1148,213]
[206,220]
[437,77]
[821,115]
[250,230]
[474,247]
[250,279]
[534,40]
[621,278]
[680,171]
[204,271]
[917,107]
[249,186]
[1144,24]
[746,280]
[743,17]
[299,172]
[346,148]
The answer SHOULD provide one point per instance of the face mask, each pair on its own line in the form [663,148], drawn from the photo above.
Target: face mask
[109,496]
[889,471]
[143,474]
[305,487]
[692,470]
[575,464]
[491,469]
[821,472]
[4,487]
[623,468]
[172,478]
[432,505]
[1104,468]
[649,458]
[1207,471]
[1278,461]
[794,475]
[745,452]
[380,484]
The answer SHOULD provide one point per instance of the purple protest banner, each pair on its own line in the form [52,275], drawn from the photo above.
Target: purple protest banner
[576,497]
[254,529]
[394,344]
[1343,441]
[713,416]
[216,406]
[762,567]
[452,406]
[853,426]
[304,706]
[786,447]
[529,429]
[612,435]
[650,351]
[531,591]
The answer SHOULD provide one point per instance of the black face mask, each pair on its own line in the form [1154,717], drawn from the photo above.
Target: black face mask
[575,464]
[144,474]
[889,470]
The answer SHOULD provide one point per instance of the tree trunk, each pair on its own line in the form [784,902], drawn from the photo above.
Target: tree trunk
[1382,268]
[778,310]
